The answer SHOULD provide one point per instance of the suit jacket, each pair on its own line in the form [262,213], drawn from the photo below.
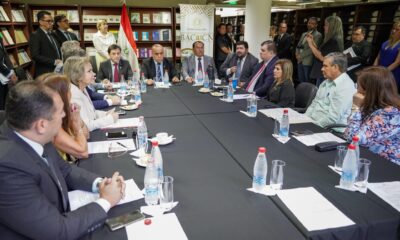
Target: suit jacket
[105,70]
[43,52]
[97,99]
[32,205]
[307,57]
[362,50]
[266,78]
[283,45]
[189,65]
[283,94]
[60,37]
[247,67]
[149,68]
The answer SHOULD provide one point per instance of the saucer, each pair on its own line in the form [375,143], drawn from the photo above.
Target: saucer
[169,140]
[129,107]
[217,94]
[142,161]
[204,90]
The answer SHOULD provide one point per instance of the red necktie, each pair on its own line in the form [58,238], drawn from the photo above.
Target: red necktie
[116,73]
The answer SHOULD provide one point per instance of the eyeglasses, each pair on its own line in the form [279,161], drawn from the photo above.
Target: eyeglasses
[65,20]
[48,21]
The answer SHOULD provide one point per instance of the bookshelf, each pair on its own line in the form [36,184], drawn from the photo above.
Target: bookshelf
[236,21]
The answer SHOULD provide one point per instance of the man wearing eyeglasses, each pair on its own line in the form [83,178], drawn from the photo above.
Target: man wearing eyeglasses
[45,49]
[61,33]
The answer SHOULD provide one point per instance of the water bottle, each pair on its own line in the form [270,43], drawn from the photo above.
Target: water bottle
[260,170]
[355,141]
[210,72]
[158,161]
[284,125]
[151,183]
[230,92]
[200,77]
[166,78]
[252,105]
[349,168]
[122,86]
[141,136]
[138,97]
[206,83]
[143,85]
[234,81]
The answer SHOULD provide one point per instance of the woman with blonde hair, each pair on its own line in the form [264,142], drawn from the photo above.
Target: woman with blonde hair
[389,54]
[80,72]
[333,42]
[282,90]
[101,41]
[71,140]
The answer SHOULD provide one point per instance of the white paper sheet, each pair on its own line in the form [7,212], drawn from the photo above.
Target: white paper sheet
[161,227]
[388,191]
[312,139]
[294,117]
[267,191]
[78,198]
[241,96]
[161,85]
[313,210]
[124,123]
[103,146]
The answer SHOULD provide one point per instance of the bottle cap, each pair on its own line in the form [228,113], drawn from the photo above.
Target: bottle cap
[262,150]
[285,111]
[356,139]
[154,143]
[352,147]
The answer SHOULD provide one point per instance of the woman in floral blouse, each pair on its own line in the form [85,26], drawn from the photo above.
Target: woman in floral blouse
[375,116]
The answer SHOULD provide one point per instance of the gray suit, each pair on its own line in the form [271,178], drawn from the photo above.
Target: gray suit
[247,66]
[34,195]
[189,66]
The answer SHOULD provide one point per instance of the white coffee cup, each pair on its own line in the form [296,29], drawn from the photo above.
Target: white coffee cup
[162,137]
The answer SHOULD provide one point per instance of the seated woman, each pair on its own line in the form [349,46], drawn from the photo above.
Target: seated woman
[79,71]
[375,116]
[71,138]
[282,90]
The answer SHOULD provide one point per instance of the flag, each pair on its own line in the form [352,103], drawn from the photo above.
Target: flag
[127,43]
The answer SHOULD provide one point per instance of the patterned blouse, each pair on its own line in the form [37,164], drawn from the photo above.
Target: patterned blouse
[380,132]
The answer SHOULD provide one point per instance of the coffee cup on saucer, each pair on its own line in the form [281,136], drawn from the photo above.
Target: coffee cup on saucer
[162,137]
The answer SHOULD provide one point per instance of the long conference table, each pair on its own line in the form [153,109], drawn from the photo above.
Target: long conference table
[212,161]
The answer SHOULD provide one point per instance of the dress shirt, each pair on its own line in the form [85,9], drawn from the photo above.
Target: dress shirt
[332,104]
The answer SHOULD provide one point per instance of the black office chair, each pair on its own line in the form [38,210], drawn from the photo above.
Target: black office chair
[305,93]
[2,116]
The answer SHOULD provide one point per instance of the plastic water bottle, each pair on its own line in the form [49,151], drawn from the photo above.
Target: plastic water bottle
[230,92]
[158,161]
[143,85]
[210,72]
[252,105]
[142,136]
[355,141]
[284,126]
[166,78]
[138,97]
[260,170]
[151,183]
[349,168]
[200,77]
[123,87]
[206,83]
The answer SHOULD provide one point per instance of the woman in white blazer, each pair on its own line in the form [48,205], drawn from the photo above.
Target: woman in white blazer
[79,70]
[101,41]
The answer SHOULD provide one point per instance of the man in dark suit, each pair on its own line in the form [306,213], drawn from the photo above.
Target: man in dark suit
[197,62]
[45,49]
[283,42]
[35,180]
[263,77]
[240,63]
[154,68]
[7,74]
[61,32]
[221,46]
[101,101]
[114,68]
[358,52]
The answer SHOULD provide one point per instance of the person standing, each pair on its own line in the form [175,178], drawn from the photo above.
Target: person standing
[221,46]
[7,75]
[61,33]
[283,42]
[101,41]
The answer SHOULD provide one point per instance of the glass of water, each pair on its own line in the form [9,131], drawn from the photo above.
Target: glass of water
[276,179]
[340,154]
[363,173]
[167,193]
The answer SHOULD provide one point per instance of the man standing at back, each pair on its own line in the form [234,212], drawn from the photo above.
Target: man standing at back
[35,180]
[61,33]
[283,42]
[45,49]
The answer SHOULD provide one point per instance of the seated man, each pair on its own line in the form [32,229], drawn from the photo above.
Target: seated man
[154,67]
[197,62]
[332,104]
[35,180]
[114,68]
[101,101]
[240,63]
[263,73]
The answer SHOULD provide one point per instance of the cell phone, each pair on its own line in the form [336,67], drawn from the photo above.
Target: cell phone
[116,135]
[124,220]
[121,112]
[302,132]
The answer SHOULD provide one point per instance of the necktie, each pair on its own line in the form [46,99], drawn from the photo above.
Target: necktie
[159,75]
[252,84]
[116,73]
[68,36]
[199,67]
[54,44]
[238,68]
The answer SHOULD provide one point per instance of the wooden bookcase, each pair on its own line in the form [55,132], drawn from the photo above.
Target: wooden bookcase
[236,21]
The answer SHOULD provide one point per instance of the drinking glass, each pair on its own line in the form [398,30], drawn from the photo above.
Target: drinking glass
[276,180]
[363,172]
[167,193]
[340,154]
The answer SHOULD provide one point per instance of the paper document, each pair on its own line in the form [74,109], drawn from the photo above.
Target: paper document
[294,117]
[103,146]
[312,209]
[350,52]
[161,227]
[124,123]
[241,96]
[162,85]
[312,139]
[78,198]
[388,191]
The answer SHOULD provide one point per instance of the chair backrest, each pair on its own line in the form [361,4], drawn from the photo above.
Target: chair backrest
[305,93]
[2,116]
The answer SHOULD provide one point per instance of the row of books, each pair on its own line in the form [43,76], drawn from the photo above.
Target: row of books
[96,18]
[20,36]
[72,15]
[3,15]
[7,39]
[147,52]
[23,57]
[157,18]
[157,35]
[18,15]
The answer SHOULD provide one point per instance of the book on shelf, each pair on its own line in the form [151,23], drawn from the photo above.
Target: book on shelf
[18,15]
[157,18]
[156,35]
[178,52]
[115,33]
[136,35]
[135,17]
[178,35]
[88,34]
[20,36]
[7,36]
[3,15]
[143,53]
[35,12]
[166,35]
[168,52]
[145,36]
[73,16]
[12,59]
[4,41]
[23,57]
[166,17]
[146,18]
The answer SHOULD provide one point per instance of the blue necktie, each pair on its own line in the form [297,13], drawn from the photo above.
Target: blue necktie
[159,75]
[238,68]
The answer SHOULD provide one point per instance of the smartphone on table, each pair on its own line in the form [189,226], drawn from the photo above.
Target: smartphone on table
[124,220]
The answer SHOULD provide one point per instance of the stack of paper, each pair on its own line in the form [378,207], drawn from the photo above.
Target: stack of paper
[294,117]
[388,191]
[124,123]
[103,146]
[313,139]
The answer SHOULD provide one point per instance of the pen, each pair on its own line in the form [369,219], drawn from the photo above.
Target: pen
[122,145]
